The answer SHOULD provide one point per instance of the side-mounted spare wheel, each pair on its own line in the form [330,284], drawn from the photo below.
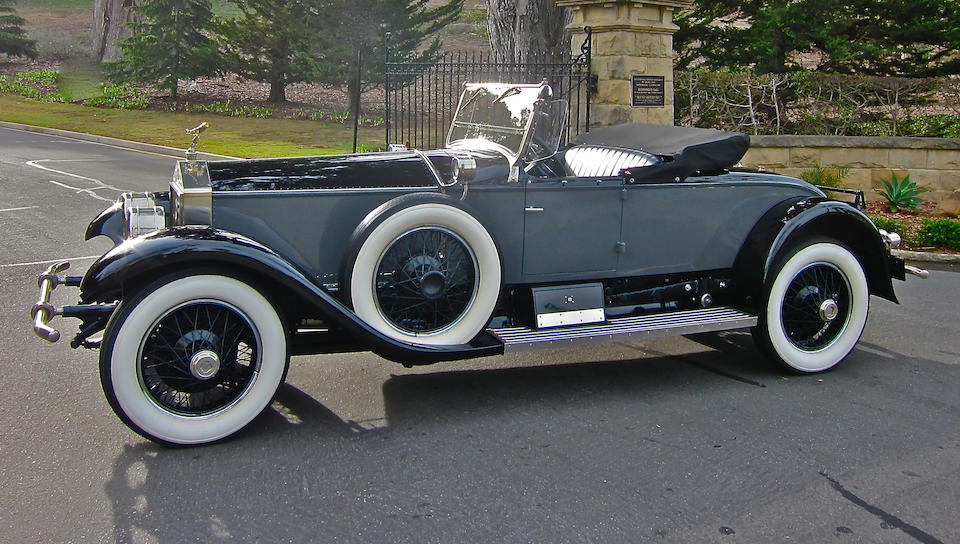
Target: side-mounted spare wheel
[192,359]
[423,270]
[815,307]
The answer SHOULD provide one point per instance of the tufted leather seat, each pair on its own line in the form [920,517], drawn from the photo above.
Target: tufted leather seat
[604,161]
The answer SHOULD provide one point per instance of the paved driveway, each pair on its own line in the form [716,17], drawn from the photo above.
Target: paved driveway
[681,440]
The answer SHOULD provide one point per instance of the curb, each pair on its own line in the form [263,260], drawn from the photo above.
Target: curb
[923,257]
[114,142]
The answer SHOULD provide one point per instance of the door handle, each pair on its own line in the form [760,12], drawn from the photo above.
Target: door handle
[533,209]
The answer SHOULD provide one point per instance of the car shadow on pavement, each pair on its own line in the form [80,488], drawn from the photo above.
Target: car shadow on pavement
[454,439]
[294,453]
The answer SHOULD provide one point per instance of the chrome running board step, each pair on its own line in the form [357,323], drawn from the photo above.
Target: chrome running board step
[668,324]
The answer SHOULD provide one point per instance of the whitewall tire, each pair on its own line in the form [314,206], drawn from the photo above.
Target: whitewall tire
[425,273]
[815,308]
[194,359]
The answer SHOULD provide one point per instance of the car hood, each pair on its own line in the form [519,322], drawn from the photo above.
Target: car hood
[362,171]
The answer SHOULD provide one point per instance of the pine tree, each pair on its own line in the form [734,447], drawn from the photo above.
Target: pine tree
[276,41]
[171,43]
[363,25]
[289,41]
[874,37]
[13,38]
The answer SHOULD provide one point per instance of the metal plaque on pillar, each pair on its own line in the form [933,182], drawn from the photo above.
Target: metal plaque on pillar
[647,91]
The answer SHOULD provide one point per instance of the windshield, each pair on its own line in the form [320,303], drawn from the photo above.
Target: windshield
[498,113]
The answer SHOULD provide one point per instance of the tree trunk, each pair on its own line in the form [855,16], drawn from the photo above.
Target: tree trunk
[110,19]
[278,91]
[522,30]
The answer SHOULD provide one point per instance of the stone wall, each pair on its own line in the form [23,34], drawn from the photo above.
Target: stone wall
[933,163]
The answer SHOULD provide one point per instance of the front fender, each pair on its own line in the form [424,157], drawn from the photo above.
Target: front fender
[147,257]
[109,223]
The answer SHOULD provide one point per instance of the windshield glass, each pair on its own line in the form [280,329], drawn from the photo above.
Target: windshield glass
[499,113]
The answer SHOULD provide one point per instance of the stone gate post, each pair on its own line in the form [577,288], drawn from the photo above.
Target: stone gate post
[632,57]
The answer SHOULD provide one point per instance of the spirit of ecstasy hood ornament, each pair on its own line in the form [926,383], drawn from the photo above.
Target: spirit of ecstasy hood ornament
[196,131]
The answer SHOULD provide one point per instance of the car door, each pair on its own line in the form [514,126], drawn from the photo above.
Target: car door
[571,228]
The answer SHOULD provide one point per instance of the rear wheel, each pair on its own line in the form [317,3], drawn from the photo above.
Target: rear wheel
[815,308]
[192,360]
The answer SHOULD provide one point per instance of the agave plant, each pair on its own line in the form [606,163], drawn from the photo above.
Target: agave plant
[901,193]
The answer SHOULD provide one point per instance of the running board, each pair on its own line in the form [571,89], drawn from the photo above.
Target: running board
[648,326]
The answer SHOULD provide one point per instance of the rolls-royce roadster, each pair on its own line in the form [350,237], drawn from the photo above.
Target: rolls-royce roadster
[502,240]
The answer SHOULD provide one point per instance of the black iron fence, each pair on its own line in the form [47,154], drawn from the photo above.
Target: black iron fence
[421,98]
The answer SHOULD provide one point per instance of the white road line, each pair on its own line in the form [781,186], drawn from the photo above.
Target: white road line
[88,191]
[18,209]
[51,261]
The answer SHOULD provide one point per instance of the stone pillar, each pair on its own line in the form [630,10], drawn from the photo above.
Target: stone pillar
[629,39]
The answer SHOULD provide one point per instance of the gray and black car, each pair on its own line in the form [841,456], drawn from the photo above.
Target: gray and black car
[502,240]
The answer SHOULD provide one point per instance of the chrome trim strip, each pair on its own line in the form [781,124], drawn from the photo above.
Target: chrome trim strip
[339,191]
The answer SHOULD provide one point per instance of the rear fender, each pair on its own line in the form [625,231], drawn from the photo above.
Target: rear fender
[137,261]
[793,220]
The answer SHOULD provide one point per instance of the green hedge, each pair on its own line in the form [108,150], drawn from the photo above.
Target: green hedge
[940,233]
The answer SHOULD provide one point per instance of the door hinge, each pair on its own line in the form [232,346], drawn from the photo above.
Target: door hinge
[621,247]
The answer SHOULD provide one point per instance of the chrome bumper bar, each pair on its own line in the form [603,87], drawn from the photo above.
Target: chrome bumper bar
[42,312]
[93,316]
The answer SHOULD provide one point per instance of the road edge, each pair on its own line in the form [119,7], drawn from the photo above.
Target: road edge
[113,142]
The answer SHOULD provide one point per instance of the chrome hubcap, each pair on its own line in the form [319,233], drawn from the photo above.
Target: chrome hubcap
[204,364]
[829,310]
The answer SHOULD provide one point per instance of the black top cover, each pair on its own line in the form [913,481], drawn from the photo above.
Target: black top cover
[687,151]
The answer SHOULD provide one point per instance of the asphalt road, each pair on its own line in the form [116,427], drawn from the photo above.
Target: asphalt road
[690,439]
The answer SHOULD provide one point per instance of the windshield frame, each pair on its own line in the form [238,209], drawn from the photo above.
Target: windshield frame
[502,90]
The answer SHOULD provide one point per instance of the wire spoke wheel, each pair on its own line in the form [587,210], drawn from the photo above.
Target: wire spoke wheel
[426,280]
[423,270]
[193,358]
[199,358]
[816,307]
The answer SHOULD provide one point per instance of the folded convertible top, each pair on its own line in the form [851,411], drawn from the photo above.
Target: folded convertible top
[687,151]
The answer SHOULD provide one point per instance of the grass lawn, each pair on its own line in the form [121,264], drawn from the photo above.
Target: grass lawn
[80,78]
[238,137]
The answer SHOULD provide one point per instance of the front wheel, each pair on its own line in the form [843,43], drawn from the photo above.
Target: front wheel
[191,360]
[815,308]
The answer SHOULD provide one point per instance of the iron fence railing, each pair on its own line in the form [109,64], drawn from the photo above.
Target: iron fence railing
[421,98]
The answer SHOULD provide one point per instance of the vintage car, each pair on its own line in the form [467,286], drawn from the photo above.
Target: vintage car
[495,243]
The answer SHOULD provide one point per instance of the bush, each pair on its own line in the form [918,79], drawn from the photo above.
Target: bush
[901,193]
[826,177]
[940,233]
[36,84]
[804,102]
[889,224]
[224,108]
[122,97]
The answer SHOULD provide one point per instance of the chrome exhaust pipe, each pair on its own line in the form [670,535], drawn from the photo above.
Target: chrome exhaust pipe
[918,272]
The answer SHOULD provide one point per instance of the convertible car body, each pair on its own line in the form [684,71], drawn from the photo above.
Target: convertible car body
[500,241]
